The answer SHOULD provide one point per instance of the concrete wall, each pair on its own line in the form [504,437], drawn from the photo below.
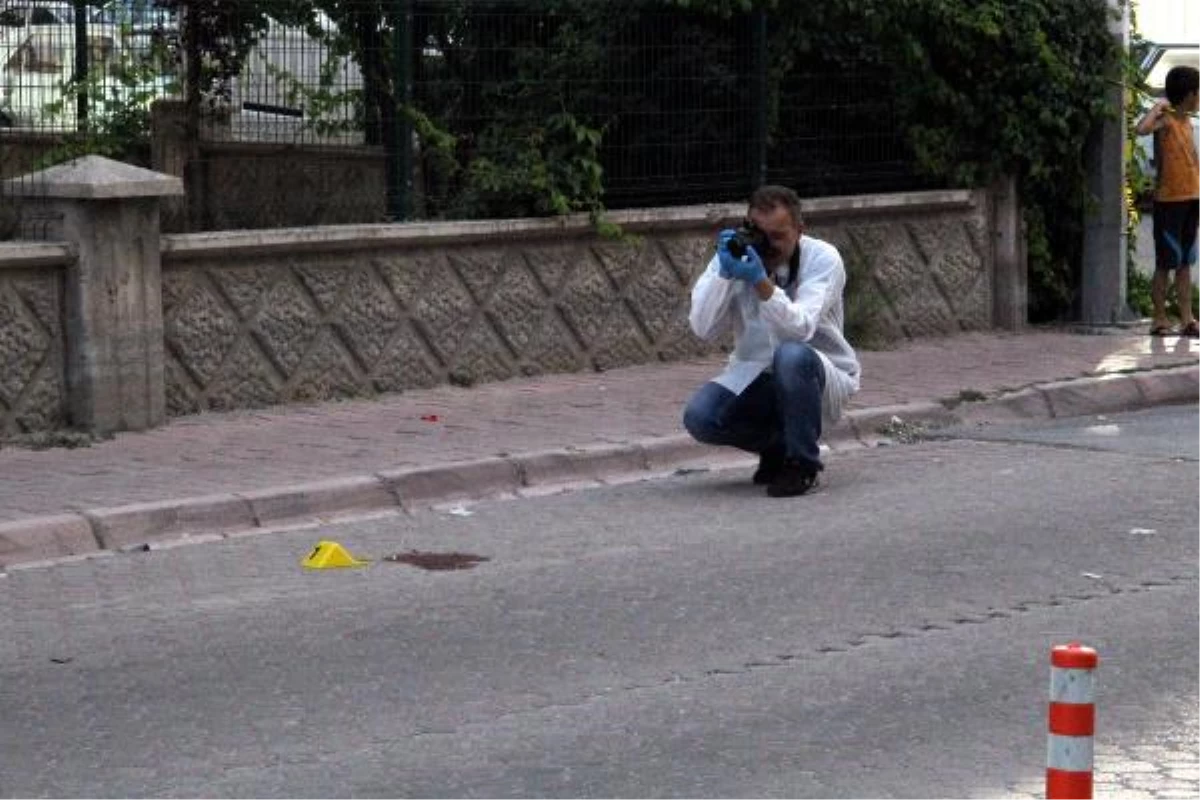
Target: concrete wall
[32,340]
[263,317]
[303,186]
[20,151]
[253,318]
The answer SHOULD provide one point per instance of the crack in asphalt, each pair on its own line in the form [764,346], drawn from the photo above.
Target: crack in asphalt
[853,642]
[947,435]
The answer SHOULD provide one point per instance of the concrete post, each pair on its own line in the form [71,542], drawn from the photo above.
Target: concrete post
[113,300]
[169,155]
[173,153]
[1103,298]
[1010,266]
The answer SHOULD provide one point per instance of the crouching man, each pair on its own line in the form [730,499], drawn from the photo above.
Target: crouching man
[791,368]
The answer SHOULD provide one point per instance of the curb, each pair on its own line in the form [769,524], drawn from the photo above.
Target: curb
[38,540]
[1102,394]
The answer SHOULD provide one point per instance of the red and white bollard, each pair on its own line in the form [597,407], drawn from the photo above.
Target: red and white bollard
[1072,722]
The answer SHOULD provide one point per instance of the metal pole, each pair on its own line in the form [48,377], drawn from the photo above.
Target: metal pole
[399,166]
[81,65]
[1103,293]
[758,80]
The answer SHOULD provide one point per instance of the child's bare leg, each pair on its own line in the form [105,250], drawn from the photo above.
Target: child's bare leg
[1183,294]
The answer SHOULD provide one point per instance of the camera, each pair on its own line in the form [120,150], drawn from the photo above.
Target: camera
[748,235]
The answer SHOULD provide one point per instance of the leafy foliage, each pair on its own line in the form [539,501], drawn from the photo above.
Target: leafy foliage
[118,121]
[218,34]
[995,87]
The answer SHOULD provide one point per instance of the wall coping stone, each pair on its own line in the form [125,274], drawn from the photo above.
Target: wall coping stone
[20,255]
[94,178]
[324,238]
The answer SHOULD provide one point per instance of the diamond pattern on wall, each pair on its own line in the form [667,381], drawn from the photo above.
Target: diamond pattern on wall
[32,384]
[177,286]
[312,326]
[687,254]
[246,381]
[436,300]
[480,357]
[369,316]
[552,263]
[40,407]
[23,345]
[957,269]
[200,331]
[551,348]
[480,268]
[253,329]
[903,277]
[287,323]
[41,295]
[586,299]
[245,286]
[655,295]
[327,372]
[324,282]
[182,396]
[519,307]
[405,363]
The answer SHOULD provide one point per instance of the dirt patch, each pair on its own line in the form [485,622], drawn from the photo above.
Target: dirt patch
[437,561]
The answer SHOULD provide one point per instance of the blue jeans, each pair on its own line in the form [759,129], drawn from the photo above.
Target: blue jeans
[778,414]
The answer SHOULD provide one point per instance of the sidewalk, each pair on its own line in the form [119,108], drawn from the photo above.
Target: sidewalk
[215,474]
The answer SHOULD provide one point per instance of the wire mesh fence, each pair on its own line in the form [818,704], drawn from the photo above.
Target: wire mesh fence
[284,113]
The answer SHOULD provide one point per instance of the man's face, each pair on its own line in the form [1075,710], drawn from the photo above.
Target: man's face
[781,230]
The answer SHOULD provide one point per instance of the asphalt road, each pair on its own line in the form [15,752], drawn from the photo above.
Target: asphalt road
[888,635]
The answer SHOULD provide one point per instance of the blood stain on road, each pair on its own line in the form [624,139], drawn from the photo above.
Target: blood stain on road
[437,561]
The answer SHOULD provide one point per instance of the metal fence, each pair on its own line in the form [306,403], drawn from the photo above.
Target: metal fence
[376,110]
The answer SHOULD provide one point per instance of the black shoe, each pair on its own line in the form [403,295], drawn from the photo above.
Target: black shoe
[793,480]
[769,465]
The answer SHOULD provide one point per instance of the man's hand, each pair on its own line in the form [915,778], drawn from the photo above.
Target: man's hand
[726,259]
[1153,118]
[748,268]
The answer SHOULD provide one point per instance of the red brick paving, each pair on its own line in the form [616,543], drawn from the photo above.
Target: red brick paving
[251,450]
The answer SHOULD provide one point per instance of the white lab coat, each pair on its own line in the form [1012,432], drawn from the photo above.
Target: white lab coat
[810,310]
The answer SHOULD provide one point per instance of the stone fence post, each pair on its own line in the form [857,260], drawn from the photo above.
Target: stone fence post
[1010,276]
[173,151]
[109,213]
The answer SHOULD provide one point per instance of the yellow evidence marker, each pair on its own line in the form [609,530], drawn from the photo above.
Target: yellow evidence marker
[330,555]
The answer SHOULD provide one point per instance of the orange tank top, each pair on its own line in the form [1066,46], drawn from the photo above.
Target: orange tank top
[1178,175]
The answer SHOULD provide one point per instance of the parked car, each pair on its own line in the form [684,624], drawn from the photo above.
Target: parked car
[1159,60]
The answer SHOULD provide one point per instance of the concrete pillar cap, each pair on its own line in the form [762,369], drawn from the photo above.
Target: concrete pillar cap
[94,178]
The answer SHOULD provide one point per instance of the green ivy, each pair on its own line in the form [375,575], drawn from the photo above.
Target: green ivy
[1138,184]
[982,88]
[118,122]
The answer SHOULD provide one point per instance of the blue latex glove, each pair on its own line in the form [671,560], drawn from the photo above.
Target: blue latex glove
[724,257]
[748,268]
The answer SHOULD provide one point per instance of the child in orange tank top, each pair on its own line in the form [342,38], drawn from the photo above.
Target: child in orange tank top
[1176,197]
